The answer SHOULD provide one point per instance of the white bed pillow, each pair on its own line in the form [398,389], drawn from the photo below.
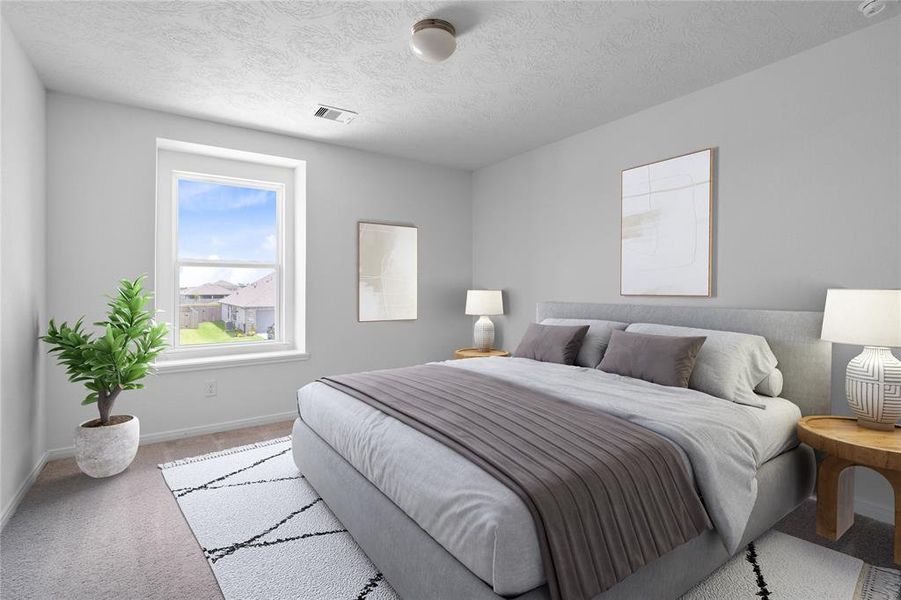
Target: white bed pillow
[595,343]
[729,365]
[771,385]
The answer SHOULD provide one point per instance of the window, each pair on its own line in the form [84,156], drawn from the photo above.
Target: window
[227,260]
[229,244]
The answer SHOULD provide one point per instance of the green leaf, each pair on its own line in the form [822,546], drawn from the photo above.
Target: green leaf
[122,355]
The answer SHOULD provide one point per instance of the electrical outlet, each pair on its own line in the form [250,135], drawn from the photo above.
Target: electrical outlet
[211,388]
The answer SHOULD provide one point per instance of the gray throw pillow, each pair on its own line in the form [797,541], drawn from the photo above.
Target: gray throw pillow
[551,343]
[660,359]
[730,365]
[596,340]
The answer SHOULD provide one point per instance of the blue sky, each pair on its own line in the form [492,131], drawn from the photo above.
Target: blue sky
[227,222]
[224,222]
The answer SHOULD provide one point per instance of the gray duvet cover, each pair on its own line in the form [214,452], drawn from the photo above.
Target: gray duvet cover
[606,496]
[481,522]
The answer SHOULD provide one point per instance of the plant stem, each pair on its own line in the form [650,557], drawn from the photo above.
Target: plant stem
[105,402]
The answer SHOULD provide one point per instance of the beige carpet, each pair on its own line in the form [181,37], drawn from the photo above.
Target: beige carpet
[125,538]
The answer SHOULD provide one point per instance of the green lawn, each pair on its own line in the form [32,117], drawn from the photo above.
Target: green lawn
[213,332]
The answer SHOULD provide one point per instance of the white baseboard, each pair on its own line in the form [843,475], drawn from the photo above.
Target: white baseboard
[10,508]
[175,434]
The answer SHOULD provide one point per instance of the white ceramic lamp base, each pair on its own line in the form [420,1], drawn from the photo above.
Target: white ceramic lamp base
[873,385]
[483,334]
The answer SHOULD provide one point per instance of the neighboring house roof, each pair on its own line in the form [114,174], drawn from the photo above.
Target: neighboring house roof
[259,294]
[226,284]
[208,289]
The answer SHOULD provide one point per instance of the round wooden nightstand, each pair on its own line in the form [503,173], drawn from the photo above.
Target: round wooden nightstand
[476,353]
[847,444]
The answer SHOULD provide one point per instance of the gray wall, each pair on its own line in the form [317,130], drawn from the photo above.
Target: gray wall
[808,194]
[22,257]
[101,177]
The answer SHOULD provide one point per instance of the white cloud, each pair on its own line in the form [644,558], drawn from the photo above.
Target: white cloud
[202,196]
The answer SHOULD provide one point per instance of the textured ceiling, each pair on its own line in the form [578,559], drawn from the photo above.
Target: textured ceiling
[525,73]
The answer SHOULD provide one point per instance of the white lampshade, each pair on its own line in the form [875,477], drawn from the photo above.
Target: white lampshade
[863,317]
[484,302]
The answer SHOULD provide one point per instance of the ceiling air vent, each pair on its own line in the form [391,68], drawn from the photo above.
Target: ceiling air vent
[331,113]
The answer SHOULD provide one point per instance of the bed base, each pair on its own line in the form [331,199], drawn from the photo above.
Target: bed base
[419,568]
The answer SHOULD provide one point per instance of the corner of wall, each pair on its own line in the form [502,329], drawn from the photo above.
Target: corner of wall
[472,227]
[23,298]
[898,75]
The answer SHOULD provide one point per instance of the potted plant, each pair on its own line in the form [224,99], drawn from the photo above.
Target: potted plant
[107,364]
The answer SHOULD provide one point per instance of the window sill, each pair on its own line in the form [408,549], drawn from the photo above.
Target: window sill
[226,362]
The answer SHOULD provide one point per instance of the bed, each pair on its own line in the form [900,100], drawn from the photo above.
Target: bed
[440,527]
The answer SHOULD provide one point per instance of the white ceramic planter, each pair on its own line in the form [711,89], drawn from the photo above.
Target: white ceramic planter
[106,451]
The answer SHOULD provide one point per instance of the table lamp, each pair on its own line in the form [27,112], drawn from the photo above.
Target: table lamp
[872,319]
[483,303]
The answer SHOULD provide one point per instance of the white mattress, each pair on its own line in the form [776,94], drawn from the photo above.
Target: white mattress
[473,516]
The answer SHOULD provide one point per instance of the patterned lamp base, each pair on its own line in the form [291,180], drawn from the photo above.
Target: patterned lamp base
[483,334]
[873,385]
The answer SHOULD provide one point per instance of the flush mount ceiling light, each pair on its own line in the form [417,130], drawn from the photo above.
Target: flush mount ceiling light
[433,40]
[871,8]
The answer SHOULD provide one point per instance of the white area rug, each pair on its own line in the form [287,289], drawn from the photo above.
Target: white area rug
[779,566]
[268,535]
[265,531]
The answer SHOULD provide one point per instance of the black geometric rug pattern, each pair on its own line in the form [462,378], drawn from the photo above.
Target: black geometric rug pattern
[751,557]
[265,532]
[778,566]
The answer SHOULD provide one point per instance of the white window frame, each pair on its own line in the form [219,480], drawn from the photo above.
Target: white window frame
[287,177]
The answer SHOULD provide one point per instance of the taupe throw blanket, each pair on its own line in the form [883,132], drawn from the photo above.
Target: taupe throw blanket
[607,496]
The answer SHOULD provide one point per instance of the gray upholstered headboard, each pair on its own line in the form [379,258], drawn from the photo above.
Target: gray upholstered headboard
[794,336]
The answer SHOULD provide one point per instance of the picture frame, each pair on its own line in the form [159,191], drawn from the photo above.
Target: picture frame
[666,227]
[387,272]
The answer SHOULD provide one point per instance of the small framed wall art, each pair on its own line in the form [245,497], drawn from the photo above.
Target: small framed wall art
[667,227]
[387,272]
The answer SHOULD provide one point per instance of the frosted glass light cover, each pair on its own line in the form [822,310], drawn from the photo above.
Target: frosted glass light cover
[433,44]
[863,317]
